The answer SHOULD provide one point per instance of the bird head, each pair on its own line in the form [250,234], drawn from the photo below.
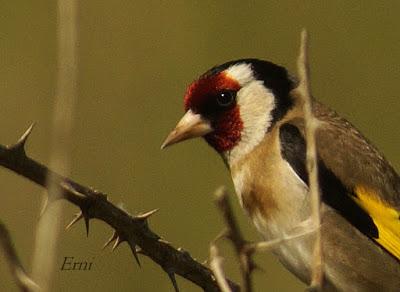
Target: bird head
[233,105]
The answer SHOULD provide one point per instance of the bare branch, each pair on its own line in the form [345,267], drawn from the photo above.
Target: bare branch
[48,227]
[216,267]
[312,164]
[243,248]
[24,282]
[135,230]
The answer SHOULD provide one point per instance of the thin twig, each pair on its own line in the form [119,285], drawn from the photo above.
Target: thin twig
[312,165]
[132,229]
[270,244]
[24,282]
[216,267]
[233,233]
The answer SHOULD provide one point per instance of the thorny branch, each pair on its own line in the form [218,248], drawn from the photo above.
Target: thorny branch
[127,228]
[135,230]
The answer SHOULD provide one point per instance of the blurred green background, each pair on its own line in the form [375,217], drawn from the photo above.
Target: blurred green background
[135,60]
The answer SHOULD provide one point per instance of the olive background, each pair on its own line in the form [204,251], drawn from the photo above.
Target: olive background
[135,60]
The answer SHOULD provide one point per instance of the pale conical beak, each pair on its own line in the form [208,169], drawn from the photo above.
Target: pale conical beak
[190,126]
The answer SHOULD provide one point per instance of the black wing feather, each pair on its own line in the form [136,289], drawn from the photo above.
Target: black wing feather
[333,191]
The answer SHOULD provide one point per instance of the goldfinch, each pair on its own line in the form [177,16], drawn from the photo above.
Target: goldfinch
[247,111]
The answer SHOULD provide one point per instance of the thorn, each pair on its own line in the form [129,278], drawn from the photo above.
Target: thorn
[86,218]
[111,239]
[135,250]
[77,217]
[146,215]
[117,242]
[139,250]
[20,145]
[160,240]
[171,276]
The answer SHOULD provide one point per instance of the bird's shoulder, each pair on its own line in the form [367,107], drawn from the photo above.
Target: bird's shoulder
[344,151]
[355,179]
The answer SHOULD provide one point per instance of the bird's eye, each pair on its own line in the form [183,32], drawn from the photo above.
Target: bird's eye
[226,98]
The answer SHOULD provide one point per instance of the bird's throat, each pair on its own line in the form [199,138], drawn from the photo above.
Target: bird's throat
[227,133]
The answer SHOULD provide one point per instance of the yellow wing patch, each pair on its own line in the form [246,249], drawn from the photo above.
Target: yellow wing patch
[385,218]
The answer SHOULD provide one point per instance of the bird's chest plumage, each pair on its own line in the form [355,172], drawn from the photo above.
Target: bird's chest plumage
[269,189]
[277,201]
[274,197]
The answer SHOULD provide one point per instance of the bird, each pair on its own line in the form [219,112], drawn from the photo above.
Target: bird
[248,111]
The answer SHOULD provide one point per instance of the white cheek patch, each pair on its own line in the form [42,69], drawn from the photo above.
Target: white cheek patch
[255,103]
[242,73]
